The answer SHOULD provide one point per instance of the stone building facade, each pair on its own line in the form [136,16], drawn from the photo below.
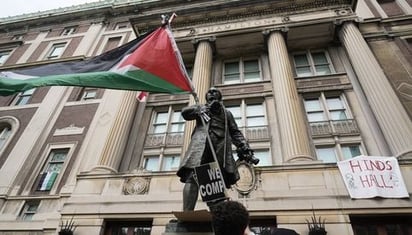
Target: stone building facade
[310,83]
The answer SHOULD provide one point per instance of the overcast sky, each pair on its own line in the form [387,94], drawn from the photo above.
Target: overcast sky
[18,7]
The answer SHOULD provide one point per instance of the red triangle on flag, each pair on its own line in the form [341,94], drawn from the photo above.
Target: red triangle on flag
[157,55]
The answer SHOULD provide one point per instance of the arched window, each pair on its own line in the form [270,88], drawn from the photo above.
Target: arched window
[5,131]
[8,127]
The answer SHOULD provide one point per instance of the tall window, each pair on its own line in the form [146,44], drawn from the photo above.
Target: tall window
[23,97]
[248,115]
[170,162]
[52,169]
[88,93]
[69,30]
[5,132]
[241,71]
[336,136]
[170,121]
[163,143]
[328,114]
[325,107]
[167,129]
[4,55]
[8,128]
[161,162]
[338,152]
[312,63]
[264,156]
[251,120]
[29,210]
[56,51]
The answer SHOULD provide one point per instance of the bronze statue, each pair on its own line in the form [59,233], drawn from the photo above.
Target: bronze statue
[219,123]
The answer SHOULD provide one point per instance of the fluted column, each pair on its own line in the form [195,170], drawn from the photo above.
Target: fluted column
[404,5]
[117,138]
[390,114]
[201,79]
[293,132]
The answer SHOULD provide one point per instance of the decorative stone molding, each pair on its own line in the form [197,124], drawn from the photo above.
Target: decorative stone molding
[102,169]
[70,130]
[136,185]
[247,181]
[405,89]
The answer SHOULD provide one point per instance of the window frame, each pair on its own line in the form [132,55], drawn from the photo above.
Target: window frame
[86,91]
[160,158]
[55,46]
[14,126]
[26,214]
[5,132]
[69,30]
[337,147]
[5,53]
[241,70]
[258,145]
[171,110]
[103,47]
[323,97]
[43,163]
[311,63]
[243,105]
[23,98]
[121,25]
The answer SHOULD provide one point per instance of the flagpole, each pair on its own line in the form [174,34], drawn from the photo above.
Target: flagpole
[167,21]
[209,140]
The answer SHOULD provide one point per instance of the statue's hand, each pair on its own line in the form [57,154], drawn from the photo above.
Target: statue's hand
[247,154]
[204,109]
[204,113]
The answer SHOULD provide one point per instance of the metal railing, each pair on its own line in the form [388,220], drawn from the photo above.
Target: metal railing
[256,132]
[164,139]
[176,138]
[334,127]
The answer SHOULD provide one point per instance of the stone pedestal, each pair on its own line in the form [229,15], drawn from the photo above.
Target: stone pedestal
[191,222]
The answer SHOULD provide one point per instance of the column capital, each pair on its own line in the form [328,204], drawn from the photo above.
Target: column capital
[341,22]
[210,39]
[283,30]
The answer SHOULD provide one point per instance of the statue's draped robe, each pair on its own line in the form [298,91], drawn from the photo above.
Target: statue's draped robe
[199,152]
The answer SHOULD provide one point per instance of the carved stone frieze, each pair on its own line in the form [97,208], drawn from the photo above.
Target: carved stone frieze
[136,185]
[70,130]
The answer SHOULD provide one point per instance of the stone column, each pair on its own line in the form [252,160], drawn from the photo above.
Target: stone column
[201,79]
[293,131]
[386,106]
[404,5]
[87,45]
[119,131]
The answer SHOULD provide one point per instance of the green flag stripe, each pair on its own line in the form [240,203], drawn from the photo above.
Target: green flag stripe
[131,80]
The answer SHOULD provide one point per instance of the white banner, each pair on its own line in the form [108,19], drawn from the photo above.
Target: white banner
[373,176]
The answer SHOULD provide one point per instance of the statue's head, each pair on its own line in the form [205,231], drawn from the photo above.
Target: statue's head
[213,94]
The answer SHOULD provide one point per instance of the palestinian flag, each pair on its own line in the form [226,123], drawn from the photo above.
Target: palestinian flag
[150,63]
